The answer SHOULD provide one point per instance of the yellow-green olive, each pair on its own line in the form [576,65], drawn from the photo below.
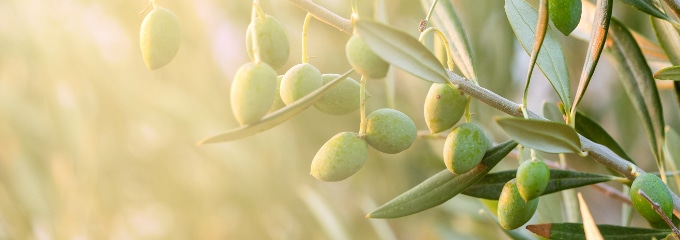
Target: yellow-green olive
[444,106]
[340,157]
[513,211]
[299,81]
[341,99]
[364,60]
[532,179]
[252,92]
[159,38]
[657,191]
[390,131]
[465,147]
[272,41]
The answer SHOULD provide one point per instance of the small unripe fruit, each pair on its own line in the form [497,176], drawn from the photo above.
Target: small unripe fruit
[272,41]
[532,179]
[657,191]
[278,103]
[364,60]
[340,157]
[390,131]
[465,147]
[513,211]
[444,106]
[252,92]
[299,81]
[159,38]
[342,99]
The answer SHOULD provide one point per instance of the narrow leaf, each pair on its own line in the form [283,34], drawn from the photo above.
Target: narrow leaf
[402,50]
[546,136]
[446,18]
[551,59]
[637,80]
[593,131]
[669,39]
[647,6]
[565,14]
[275,118]
[539,36]
[589,227]
[491,185]
[552,112]
[441,187]
[574,231]
[669,73]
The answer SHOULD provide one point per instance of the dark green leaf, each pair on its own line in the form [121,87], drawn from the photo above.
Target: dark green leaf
[551,58]
[565,14]
[669,73]
[491,185]
[647,6]
[546,136]
[593,131]
[275,118]
[637,80]
[574,231]
[446,18]
[402,50]
[441,187]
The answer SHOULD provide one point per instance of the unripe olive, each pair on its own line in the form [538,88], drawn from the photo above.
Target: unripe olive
[272,41]
[299,81]
[513,211]
[342,99]
[444,106]
[532,179]
[364,60]
[278,103]
[465,147]
[390,131]
[657,191]
[159,38]
[340,157]
[252,92]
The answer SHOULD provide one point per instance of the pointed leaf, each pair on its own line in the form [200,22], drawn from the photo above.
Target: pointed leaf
[441,187]
[669,39]
[637,80]
[647,6]
[546,136]
[446,18]
[275,118]
[593,131]
[574,231]
[552,112]
[589,227]
[551,58]
[402,50]
[669,73]
[565,14]
[491,185]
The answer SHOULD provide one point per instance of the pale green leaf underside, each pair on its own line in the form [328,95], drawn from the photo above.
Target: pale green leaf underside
[669,73]
[546,136]
[551,59]
[402,50]
[280,116]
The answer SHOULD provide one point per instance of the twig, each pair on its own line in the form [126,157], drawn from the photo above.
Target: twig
[324,15]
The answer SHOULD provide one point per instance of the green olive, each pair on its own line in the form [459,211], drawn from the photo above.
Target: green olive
[657,191]
[252,92]
[364,60]
[340,157]
[532,179]
[465,147]
[513,211]
[390,131]
[299,81]
[444,106]
[342,99]
[272,41]
[159,38]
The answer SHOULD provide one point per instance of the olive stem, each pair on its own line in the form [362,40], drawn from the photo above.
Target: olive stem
[305,29]
[449,56]
[429,13]
[151,3]
[362,107]
[253,19]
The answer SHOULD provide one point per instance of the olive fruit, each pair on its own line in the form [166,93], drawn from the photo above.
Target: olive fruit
[252,92]
[513,211]
[340,157]
[657,191]
[465,147]
[159,38]
[532,179]
[299,81]
[364,60]
[389,130]
[272,41]
[278,103]
[341,99]
[444,106]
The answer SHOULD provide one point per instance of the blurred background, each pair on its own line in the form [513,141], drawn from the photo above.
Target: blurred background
[95,146]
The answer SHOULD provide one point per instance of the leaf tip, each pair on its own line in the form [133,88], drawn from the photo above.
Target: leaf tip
[542,230]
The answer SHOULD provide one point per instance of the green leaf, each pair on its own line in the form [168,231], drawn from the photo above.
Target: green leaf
[574,231]
[441,187]
[593,131]
[546,136]
[669,73]
[565,14]
[647,6]
[551,58]
[446,18]
[669,39]
[402,50]
[491,185]
[552,112]
[637,80]
[589,227]
[671,145]
[280,116]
